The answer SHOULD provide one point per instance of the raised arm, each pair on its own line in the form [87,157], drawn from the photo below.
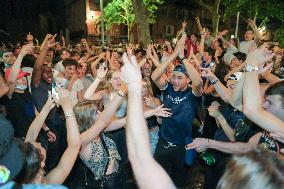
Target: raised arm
[91,93]
[158,112]
[213,110]
[4,88]
[62,170]
[252,99]
[36,76]
[26,49]
[38,122]
[224,93]
[146,170]
[192,73]
[104,118]
[156,75]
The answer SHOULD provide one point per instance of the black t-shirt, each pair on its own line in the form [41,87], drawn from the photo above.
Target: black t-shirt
[245,130]
[40,96]
[20,111]
[269,143]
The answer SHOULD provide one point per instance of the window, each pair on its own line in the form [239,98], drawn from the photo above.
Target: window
[169,30]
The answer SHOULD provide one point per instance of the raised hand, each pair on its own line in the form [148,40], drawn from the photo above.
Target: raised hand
[27,49]
[51,41]
[64,98]
[259,56]
[130,71]
[162,112]
[206,72]
[50,103]
[101,72]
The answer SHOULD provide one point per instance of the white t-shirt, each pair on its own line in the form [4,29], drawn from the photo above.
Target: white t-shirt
[77,86]
[246,45]
[59,66]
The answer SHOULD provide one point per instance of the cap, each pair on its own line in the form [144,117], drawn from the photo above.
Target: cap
[11,157]
[180,68]
[20,75]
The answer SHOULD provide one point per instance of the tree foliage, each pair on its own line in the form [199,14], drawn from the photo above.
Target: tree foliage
[121,12]
[262,9]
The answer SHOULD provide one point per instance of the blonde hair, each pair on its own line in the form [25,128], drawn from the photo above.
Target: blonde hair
[85,113]
[149,87]
[107,84]
[259,169]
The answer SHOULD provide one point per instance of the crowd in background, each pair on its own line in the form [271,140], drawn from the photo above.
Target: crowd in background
[81,116]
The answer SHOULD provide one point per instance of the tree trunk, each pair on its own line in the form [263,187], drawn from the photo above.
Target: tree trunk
[143,26]
[215,22]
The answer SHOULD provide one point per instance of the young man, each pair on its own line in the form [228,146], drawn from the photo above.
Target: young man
[182,100]
[251,38]
[41,86]
[65,53]
[69,80]
[269,115]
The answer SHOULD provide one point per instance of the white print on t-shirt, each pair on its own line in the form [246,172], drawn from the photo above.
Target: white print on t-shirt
[176,100]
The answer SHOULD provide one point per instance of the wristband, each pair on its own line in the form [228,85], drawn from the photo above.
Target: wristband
[69,115]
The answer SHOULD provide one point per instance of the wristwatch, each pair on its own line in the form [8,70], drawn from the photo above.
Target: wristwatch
[250,68]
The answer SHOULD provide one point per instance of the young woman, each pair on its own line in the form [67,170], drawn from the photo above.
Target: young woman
[62,170]
[151,103]
[99,152]
[113,83]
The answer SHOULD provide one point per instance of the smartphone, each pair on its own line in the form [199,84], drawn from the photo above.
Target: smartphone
[53,90]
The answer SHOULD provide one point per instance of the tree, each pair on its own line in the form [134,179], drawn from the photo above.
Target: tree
[212,6]
[125,12]
[119,12]
[262,10]
[145,10]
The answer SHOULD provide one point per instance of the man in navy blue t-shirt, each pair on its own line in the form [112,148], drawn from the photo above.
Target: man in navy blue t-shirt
[182,99]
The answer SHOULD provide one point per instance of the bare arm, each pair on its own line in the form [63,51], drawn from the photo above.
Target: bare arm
[144,166]
[38,122]
[156,75]
[252,99]
[224,93]
[4,88]
[236,99]
[102,122]
[62,170]
[91,93]
[36,77]
[159,111]
[271,78]
[16,68]
[201,144]
[230,133]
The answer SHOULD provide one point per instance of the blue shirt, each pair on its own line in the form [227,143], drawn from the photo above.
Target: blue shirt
[183,105]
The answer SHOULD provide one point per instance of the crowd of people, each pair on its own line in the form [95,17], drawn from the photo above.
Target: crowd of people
[81,117]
